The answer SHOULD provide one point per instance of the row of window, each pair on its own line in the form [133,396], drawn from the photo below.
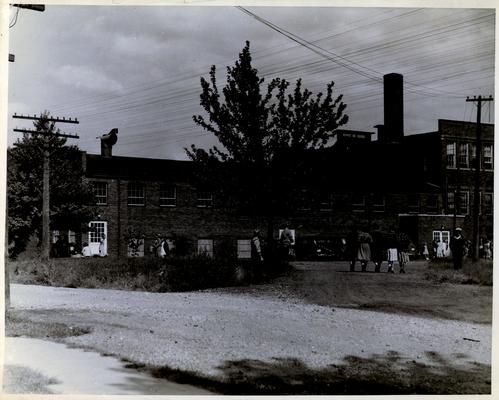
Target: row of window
[463,155]
[359,203]
[204,246]
[459,202]
[136,195]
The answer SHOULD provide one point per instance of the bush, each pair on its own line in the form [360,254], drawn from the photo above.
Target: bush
[145,273]
[479,272]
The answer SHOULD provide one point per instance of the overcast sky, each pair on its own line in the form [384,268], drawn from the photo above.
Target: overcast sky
[138,68]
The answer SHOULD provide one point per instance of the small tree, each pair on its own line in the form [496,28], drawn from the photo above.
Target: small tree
[265,134]
[70,196]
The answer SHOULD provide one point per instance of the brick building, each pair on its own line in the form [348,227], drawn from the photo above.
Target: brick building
[421,185]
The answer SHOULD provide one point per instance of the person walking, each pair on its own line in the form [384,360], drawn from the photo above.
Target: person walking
[403,254]
[102,246]
[457,247]
[426,253]
[378,249]
[256,254]
[364,249]
[352,244]
[286,241]
[392,253]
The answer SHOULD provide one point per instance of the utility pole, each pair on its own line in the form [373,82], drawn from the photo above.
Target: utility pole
[46,171]
[478,167]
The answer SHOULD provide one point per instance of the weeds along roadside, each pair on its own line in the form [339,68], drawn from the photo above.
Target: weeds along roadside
[152,274]
[473,272]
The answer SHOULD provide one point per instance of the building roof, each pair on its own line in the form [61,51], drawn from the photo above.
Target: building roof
[130,168]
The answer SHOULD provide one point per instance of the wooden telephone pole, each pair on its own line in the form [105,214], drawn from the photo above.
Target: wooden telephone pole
[46,171]
[478,167]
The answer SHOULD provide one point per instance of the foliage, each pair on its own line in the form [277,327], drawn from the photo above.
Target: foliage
[135,273]
[479,272]
[266,136]
[69,194]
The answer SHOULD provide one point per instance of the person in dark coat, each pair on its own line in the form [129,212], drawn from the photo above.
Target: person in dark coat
[256,254]
[457,247]
[378,248]
[352,244]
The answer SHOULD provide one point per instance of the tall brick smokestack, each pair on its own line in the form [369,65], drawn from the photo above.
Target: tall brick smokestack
[393,129]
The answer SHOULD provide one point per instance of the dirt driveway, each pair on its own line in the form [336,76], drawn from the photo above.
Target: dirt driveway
[332,284]
[295,336]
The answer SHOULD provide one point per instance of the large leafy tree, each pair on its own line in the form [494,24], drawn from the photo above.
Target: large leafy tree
[70,196]
[266,135]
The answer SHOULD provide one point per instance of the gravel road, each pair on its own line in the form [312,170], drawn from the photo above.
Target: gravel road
[203,331]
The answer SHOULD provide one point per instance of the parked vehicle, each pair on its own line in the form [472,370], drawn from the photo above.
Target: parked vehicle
[319,248]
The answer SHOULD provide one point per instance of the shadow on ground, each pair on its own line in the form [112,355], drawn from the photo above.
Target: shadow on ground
[377,375]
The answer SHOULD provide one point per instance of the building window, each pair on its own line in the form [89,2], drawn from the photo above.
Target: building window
[136,194]
[358,203]
[472,149]
[462,206]
[488,157]
[413,202]
[432,202]
[204,199]
[205,247]
[442,236]
[462,156]
[167,196]
[378,202]
[71,237]
[244,248]
[100,193]
[463,203]
[325,201]
[451,155]
[135,247]
[487,203]
[55,236]
[303,201]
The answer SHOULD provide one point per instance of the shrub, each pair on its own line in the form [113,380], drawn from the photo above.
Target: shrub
[479,272]
[145,273]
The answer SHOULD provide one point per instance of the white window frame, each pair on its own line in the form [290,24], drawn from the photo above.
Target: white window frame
[487,209]
[167,201]
[489,155]
[326,202]
[205,247]
[430,207]
[441,236]
[94,236]
[100,192]
[378,207]
[243,249]
[136,194]
[414,208]
[463,155]
[204,199]
[451,155]
[464,195]
[359,206]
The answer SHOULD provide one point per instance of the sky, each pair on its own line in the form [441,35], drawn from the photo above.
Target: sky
[138,68]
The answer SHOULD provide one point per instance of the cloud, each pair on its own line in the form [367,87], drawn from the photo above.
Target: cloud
[84,77]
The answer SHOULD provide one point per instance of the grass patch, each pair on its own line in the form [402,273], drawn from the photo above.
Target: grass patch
[151,274]
[16,324]
[22,380]
[479,272]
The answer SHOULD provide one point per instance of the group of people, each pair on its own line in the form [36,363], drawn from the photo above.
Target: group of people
[377,247]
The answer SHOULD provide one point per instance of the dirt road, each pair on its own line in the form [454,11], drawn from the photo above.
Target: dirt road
[267,339]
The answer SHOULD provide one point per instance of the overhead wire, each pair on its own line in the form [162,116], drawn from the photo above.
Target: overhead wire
[138,103]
